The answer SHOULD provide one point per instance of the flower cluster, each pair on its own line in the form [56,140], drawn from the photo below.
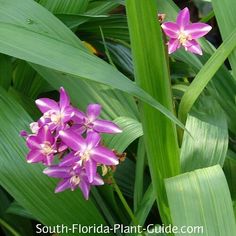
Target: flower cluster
[184,33]
[74,138]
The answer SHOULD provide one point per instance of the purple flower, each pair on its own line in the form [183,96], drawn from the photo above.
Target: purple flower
[56,115]
[184,33]
[42,147]
[88,152]
[72,177]
[90,121]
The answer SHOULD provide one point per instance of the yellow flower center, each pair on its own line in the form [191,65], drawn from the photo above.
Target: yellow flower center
[46,148]
[75,180]
[183,38]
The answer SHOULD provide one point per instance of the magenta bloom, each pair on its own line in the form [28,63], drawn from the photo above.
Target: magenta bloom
[56,114]
[90,121]
[88,152]
[42,147]
[72,177]
[183,32]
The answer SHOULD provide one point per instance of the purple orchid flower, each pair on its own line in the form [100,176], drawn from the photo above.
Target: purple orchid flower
[88,152]
[72,177]
[42,147]
[90,121]
[56,115]
[184,33]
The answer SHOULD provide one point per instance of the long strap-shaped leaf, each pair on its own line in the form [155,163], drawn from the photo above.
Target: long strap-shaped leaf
[201,198]
[205,75]
[208,143]
[151,73]
[26,40]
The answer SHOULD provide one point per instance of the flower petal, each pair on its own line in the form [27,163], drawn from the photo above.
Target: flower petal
[69,160]
[104,156]
[97,180]
[47,161]
[171,29]
[93,111]
[92,139]
[72,140]
[105,126]
[183,18]
[63,185]
[85,188]
[173,45]
[91,169]
[46,104]
[79,117]
[64,99]
[35,156]
[33,142]
[197,30]
[44,134]
[58,172]
[194,47]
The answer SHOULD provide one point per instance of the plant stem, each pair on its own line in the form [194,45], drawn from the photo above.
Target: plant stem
[125,204]
[8,227]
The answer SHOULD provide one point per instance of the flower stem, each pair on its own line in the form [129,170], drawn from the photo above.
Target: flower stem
[8,227]
[125,204]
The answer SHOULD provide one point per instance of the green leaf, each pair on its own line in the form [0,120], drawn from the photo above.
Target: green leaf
[151,73]
[225,15]
[208,142]
[5,71]
[206,74]
[68,6]
[131,130]
[27,184]
[202,198]
[59,55]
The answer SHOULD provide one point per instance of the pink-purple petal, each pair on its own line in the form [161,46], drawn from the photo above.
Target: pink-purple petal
[33,142]
[69,160]
[105,126]
[197,30]
[104,156]
[79,117]
[44,134]
[90,168]
[46,104]
[194,47]
[173,45]
[93,111]
[64,99]
[183,18]
[97,180]
[63,185]
[171,29]
[35,156]
[58,172]
[72,140]
[85,188]
[92,139]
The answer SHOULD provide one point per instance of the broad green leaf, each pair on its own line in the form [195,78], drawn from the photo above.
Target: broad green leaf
[225,15]
[206,74]
[202,198]
[151,73]
[131,130]
[208,143]
[68,6]
[5,71]
[59,55]
[29,186]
